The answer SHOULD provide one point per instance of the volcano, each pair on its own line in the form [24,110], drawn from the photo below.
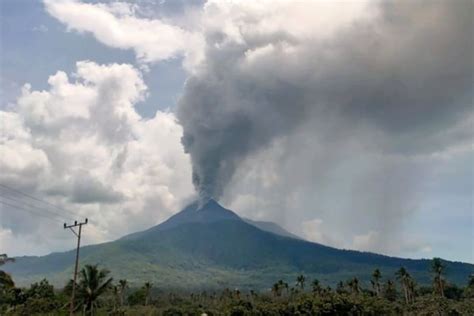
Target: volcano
[208,246]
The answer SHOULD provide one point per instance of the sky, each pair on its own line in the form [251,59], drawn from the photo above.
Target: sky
[347,123]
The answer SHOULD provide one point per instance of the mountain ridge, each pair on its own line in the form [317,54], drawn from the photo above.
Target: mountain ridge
[212,247]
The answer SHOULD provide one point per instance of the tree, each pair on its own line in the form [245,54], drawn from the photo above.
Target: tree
[300,281]
[403,276]
[469,290]
[411,285]
[4,259]
[317,289]
[353,285]
[116,292]
[390,292]
[278,287]
[92,284]
[376,276]
[275,289]
[6,281]
[123,286]
[147,288]
[437,267]
[340,288]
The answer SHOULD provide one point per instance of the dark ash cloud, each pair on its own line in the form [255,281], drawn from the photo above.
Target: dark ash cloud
[404,77]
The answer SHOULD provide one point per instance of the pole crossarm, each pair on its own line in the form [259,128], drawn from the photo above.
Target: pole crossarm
[78,235]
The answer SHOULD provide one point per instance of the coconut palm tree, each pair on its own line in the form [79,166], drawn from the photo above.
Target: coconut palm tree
[116,292]
[411,286]
[390,292]
[340,287]
[123,286]
[92,284]
[147,288]
[300,281]
[403,277]
[376,276]
[353,284]
[316,287]
[285,286]
[276,289]
[437,267]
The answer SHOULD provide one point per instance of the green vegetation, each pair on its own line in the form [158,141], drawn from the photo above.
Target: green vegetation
[97,295]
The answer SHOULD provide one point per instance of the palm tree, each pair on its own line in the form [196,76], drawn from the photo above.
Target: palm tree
[376,276]
[285,286]
[390,292]
[123,286]
[92,284]
[237,294]
[403,276]
[147,288]
[340,287]
[116,293]
[354,285]
[437,267]
[300,281]
[411,285]
[276,289]
[316,286]
[282,285]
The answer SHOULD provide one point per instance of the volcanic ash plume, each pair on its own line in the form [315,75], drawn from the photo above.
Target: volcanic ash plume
[402,72]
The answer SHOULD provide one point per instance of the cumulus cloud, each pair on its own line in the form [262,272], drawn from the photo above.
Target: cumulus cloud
[82,145]
[116,25]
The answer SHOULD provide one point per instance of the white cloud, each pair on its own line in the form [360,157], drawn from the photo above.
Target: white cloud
[82,145]
[117,26]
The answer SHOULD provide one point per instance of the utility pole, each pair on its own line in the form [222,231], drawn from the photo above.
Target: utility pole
[78,235]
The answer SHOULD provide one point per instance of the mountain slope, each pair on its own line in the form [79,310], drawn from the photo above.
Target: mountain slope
[271,228]
[210,246]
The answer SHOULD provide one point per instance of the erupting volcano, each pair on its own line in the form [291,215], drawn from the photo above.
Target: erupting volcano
[209,246]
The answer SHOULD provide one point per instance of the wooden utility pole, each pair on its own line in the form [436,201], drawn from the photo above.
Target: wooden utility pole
[78,235]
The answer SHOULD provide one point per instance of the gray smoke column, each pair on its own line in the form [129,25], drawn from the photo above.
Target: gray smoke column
[406,74]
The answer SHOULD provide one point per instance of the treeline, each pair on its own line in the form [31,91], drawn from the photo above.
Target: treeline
[98,294]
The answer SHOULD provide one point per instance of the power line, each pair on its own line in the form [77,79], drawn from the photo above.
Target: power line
[31,211]
[37,199]
[39,209]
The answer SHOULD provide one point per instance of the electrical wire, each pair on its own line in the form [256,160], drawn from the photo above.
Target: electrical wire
[39,209]
[32,212]
[38,200]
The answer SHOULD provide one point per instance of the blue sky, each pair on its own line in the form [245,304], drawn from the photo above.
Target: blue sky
[369,177]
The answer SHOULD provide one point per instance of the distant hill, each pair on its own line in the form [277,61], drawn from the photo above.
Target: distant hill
[209,246]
